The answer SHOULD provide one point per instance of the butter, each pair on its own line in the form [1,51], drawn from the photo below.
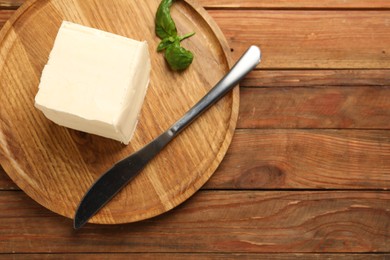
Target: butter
[95,82]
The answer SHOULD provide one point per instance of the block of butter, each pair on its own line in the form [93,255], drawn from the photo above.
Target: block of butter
[94,81]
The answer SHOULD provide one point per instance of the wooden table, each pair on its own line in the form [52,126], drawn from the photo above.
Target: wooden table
[308,171]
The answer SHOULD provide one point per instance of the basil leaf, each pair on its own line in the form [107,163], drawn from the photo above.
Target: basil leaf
[166,42]
[188,35]
[165,26]
[178,57]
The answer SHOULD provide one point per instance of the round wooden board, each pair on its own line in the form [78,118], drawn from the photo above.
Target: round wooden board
[55,165]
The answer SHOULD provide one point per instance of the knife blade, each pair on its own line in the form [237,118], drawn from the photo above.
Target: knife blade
[121,173]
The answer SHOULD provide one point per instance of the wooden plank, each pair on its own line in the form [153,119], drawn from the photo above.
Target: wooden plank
[285,4]
[299,78]
[330,107]
[315,78]
[195,256]
[306,39]
[299,159]
[296,4]
[305,159]
[310,39]
[211,221]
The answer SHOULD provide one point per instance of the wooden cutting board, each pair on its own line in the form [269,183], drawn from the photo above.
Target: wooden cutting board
[55,165]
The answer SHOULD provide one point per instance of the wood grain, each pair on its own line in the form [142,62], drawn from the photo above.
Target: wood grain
[309,39]
[285,4]
[10,4]
[296,4]
[4,16]
[328,107]
[5,182]
[234,222]
[70,161]
[191,256]
[305,159]
[299,159]
[316,54]
[317,78]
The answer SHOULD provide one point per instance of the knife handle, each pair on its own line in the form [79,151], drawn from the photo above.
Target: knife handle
[243,66]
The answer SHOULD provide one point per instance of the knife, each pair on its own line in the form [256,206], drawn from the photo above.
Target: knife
[121,173]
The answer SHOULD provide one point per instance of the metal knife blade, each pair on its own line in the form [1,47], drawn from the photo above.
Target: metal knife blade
[113,180]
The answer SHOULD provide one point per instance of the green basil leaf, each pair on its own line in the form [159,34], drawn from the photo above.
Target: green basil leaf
[188,35]
[165,26]
[178,57]
[166,42]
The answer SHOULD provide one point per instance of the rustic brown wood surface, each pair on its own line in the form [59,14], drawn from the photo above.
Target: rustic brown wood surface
[307,175]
